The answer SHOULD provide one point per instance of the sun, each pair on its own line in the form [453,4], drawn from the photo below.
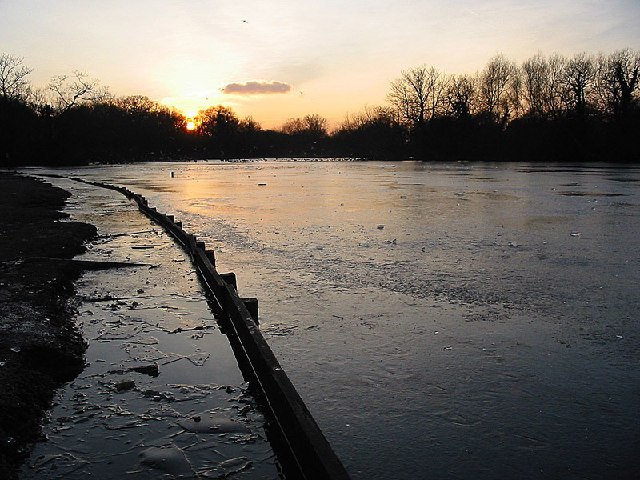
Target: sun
[191,125]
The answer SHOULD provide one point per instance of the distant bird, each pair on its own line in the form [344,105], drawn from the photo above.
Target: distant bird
[244,21]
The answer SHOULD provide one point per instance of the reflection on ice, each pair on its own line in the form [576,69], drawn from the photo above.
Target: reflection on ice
[169,459]
[531,371]
[210,422]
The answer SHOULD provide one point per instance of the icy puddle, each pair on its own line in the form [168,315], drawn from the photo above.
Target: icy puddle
[162,395]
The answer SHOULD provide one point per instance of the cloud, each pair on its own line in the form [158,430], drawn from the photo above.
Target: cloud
[256,88]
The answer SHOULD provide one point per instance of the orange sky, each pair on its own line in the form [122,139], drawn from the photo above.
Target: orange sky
[281,59]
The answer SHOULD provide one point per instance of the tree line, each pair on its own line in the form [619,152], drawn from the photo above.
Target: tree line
[76,120]
[585,107]
[580,108]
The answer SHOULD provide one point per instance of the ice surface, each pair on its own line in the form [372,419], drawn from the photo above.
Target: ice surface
[489,330]
[156,361]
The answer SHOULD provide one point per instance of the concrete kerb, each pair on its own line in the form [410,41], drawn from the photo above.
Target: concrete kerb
[308,448]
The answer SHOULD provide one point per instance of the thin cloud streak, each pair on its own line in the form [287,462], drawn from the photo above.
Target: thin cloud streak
[256,88]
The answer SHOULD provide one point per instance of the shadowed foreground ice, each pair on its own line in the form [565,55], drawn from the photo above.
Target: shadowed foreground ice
[162,395]
[446,321]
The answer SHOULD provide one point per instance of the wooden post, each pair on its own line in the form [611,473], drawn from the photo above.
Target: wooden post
[252,306]
[230,279]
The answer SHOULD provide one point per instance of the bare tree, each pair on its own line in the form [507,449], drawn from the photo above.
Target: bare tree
[316,124]
[461,96]
[408,95]
[616,81]
[139,103]
[418,95]
[553,94]
[367,116]
[312,125]
[68,91]
[218,122]
[437,83]
[515,94]
[601,95]
[292,126]
[249,124]
[543,84]
[579,74]
[495,81]
[13,77]
[535,73]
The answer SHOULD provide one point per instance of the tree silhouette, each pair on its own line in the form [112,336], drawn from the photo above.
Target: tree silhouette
[68,91]
[617,81]
[305,136]
[13,77]
[535,71]
[18,122]
[220,128]
[373,133]
[494,85]
[548,108]
[579,74]
[418,95]
[461,96]
[553,91]
[311,126]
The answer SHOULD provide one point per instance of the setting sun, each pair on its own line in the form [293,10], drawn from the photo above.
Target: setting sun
[191,125]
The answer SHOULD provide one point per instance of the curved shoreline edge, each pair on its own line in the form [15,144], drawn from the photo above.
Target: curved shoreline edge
[302,449]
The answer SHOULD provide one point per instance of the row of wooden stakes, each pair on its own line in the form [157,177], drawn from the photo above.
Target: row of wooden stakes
[300,445]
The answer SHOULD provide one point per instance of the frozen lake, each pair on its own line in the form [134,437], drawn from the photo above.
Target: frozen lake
[439,320]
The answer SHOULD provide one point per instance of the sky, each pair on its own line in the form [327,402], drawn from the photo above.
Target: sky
[281,59]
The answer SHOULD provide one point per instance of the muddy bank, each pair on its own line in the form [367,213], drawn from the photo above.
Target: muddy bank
[40,347]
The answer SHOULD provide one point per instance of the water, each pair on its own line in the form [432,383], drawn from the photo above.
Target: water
[439,320]
[162,395]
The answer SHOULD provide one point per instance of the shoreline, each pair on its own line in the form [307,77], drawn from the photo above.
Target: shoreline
[40,345]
